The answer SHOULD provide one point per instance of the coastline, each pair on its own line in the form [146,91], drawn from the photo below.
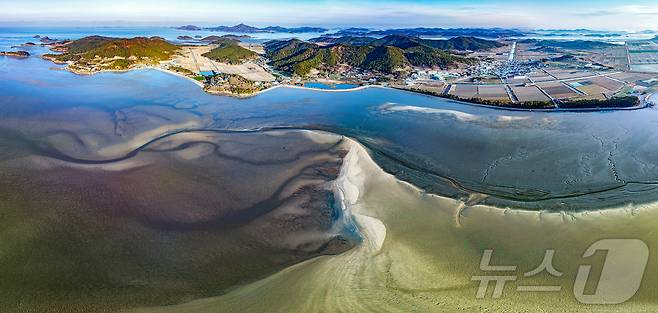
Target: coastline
[322,90]
[198,83]
[66,68]
[645,101]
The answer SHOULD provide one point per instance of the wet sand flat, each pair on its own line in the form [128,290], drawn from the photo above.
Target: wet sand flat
[421,251]
[188,216]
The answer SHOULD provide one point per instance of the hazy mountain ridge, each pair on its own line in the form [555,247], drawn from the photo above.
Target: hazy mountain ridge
[457,43]
[434,32]
[246,29]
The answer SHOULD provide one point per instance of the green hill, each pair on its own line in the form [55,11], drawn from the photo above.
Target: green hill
[346,40]
[422,56]
[386,56]
[114,53]
[385,59]
[230,52]
[456,43]
[463,43]
[87,44]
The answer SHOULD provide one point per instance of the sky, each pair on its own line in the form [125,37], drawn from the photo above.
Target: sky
[630,15]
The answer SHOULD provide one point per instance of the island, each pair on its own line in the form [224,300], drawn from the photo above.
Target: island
[433,32]
[27,44]
[222,66]
[47,40]
[96,53]
[15,54]
[189,27]
[212,38]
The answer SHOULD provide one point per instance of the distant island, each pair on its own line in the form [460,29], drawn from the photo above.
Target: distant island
[460,43]
[365,32]
[246,29]
[213,38]
[434,32]
[185,38]
[189,27]
[16,54]
[46,39]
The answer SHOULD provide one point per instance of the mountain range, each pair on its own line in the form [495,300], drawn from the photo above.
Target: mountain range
[390,54]
[404,42]
[246,29]
[366,32]
[434,32]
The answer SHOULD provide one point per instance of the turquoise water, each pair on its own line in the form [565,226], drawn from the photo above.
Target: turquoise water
[318,85]
[553,161]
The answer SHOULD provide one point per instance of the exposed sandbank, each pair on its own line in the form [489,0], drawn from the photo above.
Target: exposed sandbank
[420,251]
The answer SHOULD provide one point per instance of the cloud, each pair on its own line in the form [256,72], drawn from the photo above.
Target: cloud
[490,13]
[622,10]
[598,13]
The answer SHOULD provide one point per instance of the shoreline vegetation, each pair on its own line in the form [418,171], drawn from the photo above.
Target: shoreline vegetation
[96,54]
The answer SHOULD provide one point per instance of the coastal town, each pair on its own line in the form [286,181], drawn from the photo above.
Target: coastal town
[500,71]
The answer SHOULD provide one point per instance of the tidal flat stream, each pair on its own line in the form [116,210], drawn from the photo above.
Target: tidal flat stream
[530,160]
[137,190]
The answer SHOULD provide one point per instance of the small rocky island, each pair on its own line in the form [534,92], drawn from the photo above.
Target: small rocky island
[15,54]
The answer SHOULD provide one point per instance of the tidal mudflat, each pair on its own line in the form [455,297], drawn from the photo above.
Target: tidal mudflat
[136,191]
[420,252]
[186,216]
